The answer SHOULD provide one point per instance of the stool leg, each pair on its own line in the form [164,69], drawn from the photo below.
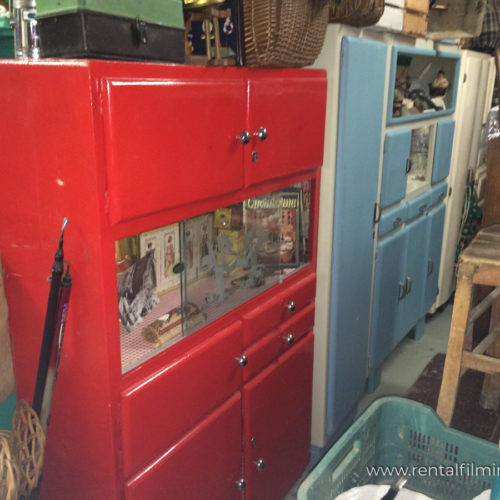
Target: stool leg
[490,395]
[452,365]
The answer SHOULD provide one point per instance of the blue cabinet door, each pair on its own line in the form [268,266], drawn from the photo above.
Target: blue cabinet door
[362,88]
[442,150]
[435,238]
[416,270]
[396,155]
[388,296]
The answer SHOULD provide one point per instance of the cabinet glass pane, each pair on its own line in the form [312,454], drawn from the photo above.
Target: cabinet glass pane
[175,279]
[420,166]
[423,84]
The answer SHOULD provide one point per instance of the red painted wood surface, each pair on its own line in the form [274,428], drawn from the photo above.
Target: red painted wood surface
[292,109]
[162,134]
[57,154]
[269,313]
[159,409]
[204,465]
[277,413]
[261,353]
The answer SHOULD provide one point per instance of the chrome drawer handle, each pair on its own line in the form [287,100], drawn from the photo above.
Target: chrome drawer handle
[261,134]
[291,306]
[422,208]
[397,221]
[408,285]
[430,267]
[242,360]
[260,464]
[244,137]
[402,291]
[289,339]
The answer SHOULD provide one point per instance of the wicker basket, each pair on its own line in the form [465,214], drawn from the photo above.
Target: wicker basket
[356,12]
[283,33]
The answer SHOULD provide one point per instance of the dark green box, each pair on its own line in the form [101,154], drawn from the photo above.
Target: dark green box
[6,38]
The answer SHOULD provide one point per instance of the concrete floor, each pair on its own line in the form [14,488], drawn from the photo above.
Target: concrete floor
[403,366]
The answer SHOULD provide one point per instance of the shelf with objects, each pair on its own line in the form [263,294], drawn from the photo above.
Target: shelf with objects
[193,209]
[380,255]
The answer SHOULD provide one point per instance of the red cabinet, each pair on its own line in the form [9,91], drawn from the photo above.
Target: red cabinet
[277,412]
[135,152]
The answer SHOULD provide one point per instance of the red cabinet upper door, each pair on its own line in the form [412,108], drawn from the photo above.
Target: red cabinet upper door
[277,423]
[173,141]
[290,106]
[204,465]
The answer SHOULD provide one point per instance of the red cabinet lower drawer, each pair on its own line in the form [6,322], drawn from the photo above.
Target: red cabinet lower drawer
[160,409]
[285,304]
[205,464]
[277,342]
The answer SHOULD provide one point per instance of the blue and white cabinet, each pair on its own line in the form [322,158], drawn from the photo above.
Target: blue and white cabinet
[381,212]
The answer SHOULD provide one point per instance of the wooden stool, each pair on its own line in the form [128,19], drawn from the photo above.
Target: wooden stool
[479,264]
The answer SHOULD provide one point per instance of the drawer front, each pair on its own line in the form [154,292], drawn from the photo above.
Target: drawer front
[155,162]
[204,464]
[278,341]
[158,410]
[392,219]
[438,193]
[265,316]
[419,205]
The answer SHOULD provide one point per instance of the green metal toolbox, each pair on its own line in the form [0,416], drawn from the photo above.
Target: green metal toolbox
[6,38]
[114,29]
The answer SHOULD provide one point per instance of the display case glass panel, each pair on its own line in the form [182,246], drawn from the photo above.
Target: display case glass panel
[175,279]
[419,164]
[423,82]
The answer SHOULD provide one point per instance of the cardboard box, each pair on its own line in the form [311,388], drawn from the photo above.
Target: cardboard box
[414,24]
[421,6]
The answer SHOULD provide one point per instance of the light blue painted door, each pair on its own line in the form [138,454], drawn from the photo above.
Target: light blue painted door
[362,88]
[396,155]
[388,296]
[435,238]
[442,150]
[416,270]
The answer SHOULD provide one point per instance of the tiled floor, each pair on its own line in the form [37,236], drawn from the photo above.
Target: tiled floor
[404,365]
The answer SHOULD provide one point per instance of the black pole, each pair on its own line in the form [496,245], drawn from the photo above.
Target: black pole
[50,323]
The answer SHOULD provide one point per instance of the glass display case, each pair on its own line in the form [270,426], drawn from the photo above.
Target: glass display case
[175,279]
[423,83]
[419,162]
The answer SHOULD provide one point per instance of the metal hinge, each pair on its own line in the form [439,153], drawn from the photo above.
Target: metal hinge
[449,192]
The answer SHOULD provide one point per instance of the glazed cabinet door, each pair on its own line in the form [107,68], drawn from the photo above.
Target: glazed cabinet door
[170,142]
[286,120]
[204,464]
[277,423]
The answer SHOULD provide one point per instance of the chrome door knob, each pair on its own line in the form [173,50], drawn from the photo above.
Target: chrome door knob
[291,306]
[242,484]
[245,137]
[242,360]
[289,339]
[260,464]
[261,134]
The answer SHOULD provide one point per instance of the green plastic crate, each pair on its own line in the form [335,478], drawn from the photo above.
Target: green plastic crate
[6,39]
[403,433]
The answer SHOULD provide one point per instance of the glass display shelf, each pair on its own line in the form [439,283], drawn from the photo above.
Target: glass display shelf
[175,279]
[419,165]
[423,84]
